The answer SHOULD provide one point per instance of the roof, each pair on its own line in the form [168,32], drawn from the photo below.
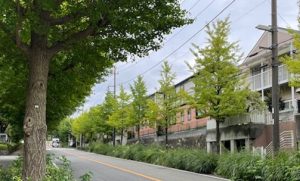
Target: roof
[284,36]
[176,85]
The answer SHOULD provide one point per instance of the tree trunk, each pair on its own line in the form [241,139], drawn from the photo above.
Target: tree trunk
[114,136]
[122,135]
[166,131]
[138,133]
[218,136]
[35,128]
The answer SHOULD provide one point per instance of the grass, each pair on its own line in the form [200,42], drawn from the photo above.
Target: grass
[3,146]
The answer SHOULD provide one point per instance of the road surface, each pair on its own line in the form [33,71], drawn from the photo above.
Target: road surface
[105,168]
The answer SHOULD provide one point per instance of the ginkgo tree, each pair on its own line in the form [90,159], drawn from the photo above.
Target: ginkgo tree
[119,119]
[220,91]
[41,32]
[293,62]
[139,106]
[162,110]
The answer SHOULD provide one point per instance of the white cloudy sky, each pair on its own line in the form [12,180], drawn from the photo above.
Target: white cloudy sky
[244,15]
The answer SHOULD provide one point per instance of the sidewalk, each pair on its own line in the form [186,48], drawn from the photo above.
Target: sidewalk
[5,160]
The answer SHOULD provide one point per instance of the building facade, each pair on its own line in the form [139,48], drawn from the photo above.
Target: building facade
[188,129]
[252,130]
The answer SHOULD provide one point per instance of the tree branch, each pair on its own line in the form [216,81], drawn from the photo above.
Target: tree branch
[69,66]
[18,40]
[62,20]
[78,36]
[24,48]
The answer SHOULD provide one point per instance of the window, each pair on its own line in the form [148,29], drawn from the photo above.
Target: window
[189,115]
[173,120]
[198,113]
[288,104]
[182,116]
[256,70]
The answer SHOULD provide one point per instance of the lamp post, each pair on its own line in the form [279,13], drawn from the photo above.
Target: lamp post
[275,88]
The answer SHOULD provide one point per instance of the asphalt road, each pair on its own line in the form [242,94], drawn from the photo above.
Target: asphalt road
[105,168]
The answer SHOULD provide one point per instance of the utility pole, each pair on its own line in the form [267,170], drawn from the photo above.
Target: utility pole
[114,129]
[275,87]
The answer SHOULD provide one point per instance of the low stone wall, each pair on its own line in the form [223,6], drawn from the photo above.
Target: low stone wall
[190,142]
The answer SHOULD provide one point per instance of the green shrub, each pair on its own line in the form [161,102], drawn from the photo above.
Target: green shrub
[3,146]
[201,162]
[100,148]
[154,155]
[283,167]
[53,172]
[240,166]
[14,147]
[187,159]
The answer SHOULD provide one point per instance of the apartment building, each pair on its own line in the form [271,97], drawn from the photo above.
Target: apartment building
[253,130]
[188,129]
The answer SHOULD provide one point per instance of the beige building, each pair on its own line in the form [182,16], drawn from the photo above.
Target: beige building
[253,130]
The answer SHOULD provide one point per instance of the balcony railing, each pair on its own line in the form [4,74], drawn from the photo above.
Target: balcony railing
[264,80]
[179,127]
[255,117]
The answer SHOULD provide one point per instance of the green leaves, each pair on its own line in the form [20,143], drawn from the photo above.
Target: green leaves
[162,110]
[219,89]
[139,106]
[293,62]
[119,118]
[83,38]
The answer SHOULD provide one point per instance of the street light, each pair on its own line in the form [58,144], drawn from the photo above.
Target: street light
[264,28]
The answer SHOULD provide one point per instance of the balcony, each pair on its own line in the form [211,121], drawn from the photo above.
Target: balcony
[255,117]
[264,80]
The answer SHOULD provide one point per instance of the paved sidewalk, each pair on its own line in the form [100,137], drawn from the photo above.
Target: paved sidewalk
[6,160]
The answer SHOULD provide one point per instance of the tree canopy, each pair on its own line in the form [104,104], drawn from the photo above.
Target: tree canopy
[50,37]
[220,90]
[139,106]
[293,62]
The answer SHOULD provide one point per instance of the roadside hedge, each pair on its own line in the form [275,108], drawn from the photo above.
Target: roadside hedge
[193,160]
[244,166]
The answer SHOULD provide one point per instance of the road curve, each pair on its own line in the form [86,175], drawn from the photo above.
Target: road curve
[106,168]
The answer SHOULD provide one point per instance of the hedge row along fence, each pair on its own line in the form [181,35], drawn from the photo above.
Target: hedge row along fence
[238,166]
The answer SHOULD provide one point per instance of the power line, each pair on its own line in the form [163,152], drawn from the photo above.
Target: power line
[194,5]
[284,20]
[252,9]
[177,33]
[184,43]
[281,17]
[204,9]
[239,18]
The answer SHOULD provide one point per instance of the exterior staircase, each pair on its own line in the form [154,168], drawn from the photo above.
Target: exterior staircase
[286,142]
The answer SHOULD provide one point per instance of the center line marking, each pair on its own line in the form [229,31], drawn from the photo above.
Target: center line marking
[115,167]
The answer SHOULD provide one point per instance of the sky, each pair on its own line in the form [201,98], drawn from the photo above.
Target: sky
[244,16]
